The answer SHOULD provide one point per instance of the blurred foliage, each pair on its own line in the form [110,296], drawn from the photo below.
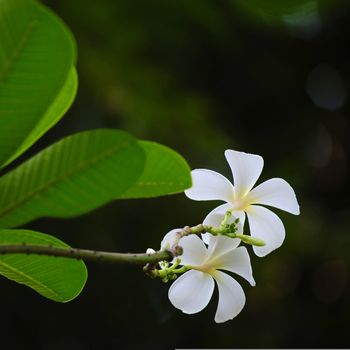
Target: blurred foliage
[274,11]
[201,76]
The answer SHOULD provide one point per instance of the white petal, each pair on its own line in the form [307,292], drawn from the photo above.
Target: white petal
[192,291]
[276,193]
[246,169]
[209,185]
[194,250]
[169,238]
[231,297]
[215,217]
[219,245]
[237,261]
[266,225]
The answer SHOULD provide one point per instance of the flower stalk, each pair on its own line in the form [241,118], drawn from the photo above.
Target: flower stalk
[223,229]
[88,255]
[148,259]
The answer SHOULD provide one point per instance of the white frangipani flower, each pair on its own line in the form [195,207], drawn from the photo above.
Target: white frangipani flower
[241,198]
[192,291]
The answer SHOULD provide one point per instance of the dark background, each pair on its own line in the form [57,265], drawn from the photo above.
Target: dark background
[201,76]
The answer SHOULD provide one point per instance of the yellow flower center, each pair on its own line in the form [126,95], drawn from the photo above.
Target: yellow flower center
[206,268]
[241,204]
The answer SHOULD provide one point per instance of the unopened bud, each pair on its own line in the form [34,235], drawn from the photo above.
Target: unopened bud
[178,250]
[251,240]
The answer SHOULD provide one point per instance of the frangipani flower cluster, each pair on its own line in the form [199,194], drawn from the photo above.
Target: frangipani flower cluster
[204,259]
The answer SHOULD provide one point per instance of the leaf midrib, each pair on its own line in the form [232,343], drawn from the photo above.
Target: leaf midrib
[74,171]
[30,279]
[18,48]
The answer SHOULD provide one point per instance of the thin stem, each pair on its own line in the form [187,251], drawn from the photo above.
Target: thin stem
[148,259]
[224,222]
[88,255]
[181,269]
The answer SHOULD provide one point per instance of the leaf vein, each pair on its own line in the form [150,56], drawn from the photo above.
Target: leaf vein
[18,48]
[76,170]
[33,280]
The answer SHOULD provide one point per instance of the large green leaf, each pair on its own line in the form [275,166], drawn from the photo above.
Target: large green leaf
[165,172]
[59,279]
[55,112]
[37,53]
[71,177]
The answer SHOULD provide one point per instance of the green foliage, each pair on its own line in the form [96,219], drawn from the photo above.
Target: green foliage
[38,83]
[275,8]
[55,112]
[294,12]
[37,55]
[72,177]
[87,170]
[59,279]
[165,172]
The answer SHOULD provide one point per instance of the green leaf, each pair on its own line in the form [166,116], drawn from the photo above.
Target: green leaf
[55,112]
[71,177]
[37,55]
[165,172]
[58,279]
